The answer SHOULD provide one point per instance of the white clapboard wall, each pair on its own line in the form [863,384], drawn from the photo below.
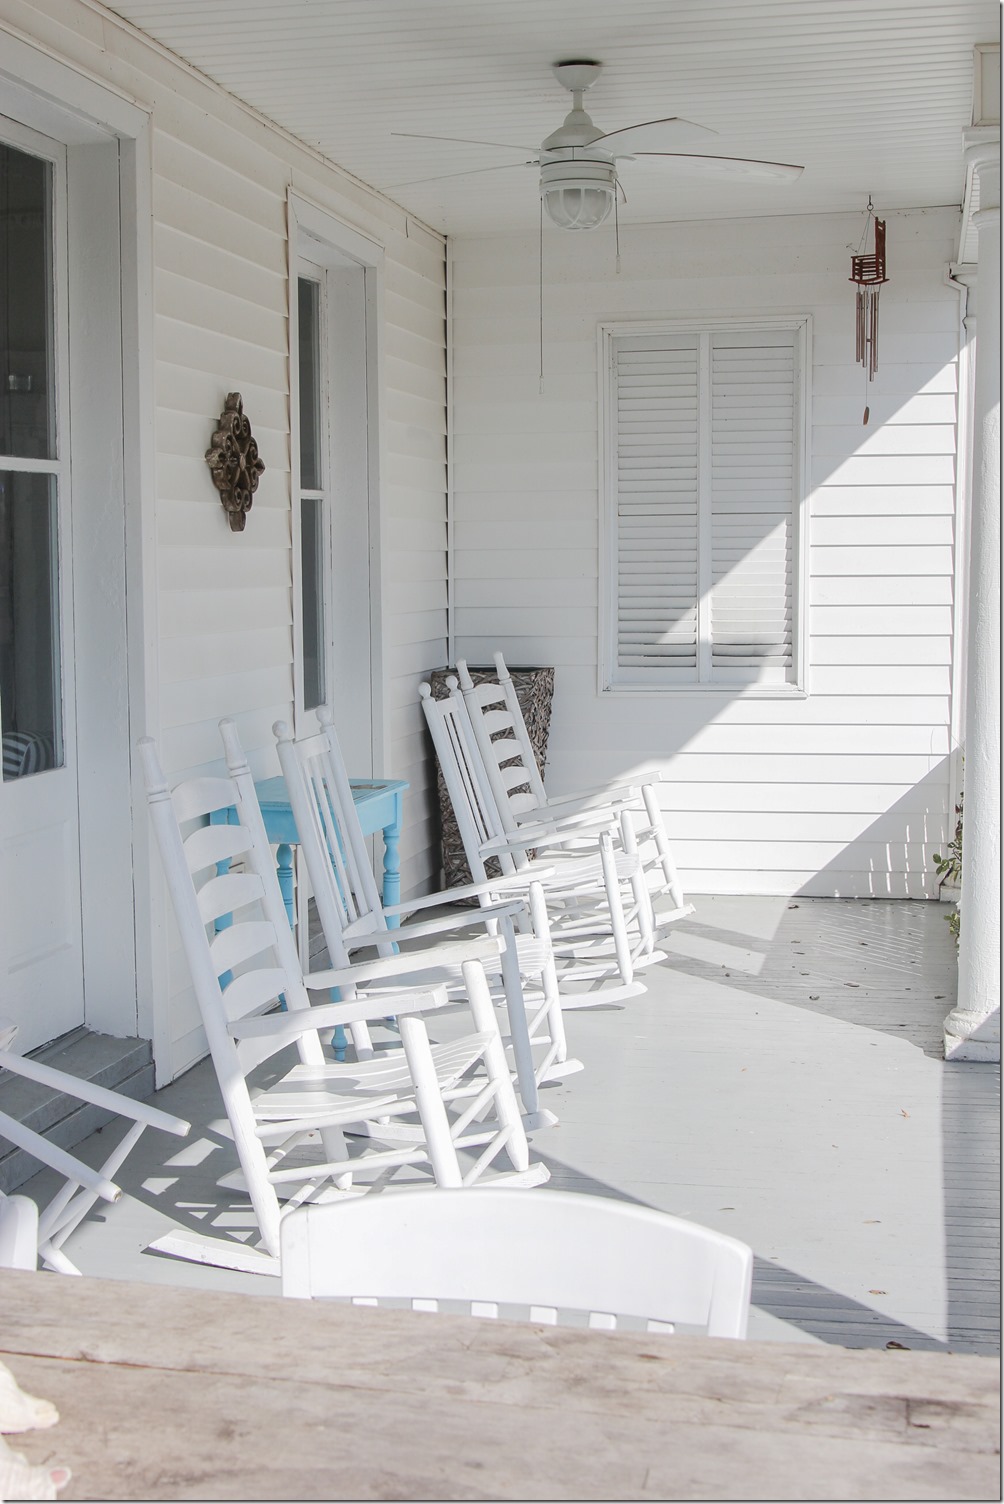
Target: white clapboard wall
[846,791]
[224,643]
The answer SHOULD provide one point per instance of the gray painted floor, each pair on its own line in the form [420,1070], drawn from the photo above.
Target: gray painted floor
[781,1080]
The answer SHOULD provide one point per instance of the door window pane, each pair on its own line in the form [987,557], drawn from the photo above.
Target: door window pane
[310,400]
[30,689]
[311,556]
[27,421]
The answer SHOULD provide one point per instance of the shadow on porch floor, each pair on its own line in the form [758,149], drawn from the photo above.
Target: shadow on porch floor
[781,1080]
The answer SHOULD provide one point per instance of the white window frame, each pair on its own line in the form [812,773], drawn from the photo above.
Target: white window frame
[611,678]
[318,243]
[312,271]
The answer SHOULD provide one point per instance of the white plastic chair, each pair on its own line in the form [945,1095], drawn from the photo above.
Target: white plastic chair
[583,892]
[82,1185]
[352,915]
[242,958]
[511,766]
[553,1252]
[18,1232]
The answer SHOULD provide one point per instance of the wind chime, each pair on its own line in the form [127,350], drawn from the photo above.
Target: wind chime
[868,273]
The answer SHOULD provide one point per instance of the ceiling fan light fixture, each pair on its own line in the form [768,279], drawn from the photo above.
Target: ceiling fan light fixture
[578,195]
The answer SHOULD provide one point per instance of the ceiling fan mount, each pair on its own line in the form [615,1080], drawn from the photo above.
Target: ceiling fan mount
[577,128]
[577,76]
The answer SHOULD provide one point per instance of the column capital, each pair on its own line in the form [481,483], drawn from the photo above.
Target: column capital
[983,158]
[982,155]
[981,140]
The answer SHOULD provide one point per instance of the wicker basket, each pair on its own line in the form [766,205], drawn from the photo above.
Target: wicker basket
[535,691]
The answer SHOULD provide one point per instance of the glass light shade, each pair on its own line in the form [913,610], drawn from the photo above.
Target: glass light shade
[578,195]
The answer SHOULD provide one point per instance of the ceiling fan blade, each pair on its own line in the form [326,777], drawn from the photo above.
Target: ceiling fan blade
[470,173]
[730,167]
[653,135]
[463,141]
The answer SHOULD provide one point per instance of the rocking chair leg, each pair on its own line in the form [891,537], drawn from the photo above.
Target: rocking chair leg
[435,1122]
[518,1030]
[335,1147]
[517,1148]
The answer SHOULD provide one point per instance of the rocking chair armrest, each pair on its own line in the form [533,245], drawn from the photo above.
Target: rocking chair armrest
[72,1169]
[495,885]
[485,948]
[97,1096]
[441,923]
[286,1028]
[614,791]
[624,796]
[551,833]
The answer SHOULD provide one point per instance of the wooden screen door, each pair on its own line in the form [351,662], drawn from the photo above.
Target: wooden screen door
[41,970]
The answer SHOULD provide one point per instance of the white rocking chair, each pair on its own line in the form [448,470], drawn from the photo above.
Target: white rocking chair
[83,1186]
[352,915]
[583,892]
[609,1259]
[511,766]
[290,1138]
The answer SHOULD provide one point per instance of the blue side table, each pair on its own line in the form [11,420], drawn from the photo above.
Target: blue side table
[379,803]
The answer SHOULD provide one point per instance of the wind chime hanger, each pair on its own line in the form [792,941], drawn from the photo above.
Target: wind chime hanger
[868,273]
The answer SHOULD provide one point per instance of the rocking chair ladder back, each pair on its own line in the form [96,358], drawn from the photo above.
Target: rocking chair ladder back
[551,1251]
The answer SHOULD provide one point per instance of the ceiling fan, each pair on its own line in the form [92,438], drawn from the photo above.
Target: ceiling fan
[579,180]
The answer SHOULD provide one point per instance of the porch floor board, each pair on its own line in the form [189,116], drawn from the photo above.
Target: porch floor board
[781,1080]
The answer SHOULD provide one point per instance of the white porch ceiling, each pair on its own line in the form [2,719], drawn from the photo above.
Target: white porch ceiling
[871,95]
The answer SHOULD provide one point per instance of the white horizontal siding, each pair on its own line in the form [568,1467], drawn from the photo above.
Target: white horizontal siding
[846,791]
[219,204]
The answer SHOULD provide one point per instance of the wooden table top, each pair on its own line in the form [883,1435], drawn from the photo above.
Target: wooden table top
[167,1393]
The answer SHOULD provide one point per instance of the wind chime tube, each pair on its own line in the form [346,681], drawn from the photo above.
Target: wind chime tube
[869,273]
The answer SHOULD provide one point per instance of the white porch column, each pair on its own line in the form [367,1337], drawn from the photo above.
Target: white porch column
[972,1029]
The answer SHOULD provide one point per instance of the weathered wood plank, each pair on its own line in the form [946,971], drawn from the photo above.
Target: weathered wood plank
[172,1394]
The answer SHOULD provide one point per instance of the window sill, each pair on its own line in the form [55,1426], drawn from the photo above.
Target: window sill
[729,691]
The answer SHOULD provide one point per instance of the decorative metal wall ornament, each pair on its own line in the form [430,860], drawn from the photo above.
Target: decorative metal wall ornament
[868,272]
[234,462]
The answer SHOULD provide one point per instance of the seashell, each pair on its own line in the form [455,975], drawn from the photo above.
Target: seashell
[20,1411]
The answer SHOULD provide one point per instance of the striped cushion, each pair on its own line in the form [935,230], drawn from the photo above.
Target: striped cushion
[24,752]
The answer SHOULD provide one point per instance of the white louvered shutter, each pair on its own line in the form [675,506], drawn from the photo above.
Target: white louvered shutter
[706,479]
[752,497]
[657,444]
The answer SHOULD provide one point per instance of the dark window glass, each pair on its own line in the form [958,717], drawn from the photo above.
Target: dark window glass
[30,689]
[311,555]
[27,422]
[310,404]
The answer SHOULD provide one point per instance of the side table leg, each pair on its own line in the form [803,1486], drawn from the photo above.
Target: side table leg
[284,871]
[392,861]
